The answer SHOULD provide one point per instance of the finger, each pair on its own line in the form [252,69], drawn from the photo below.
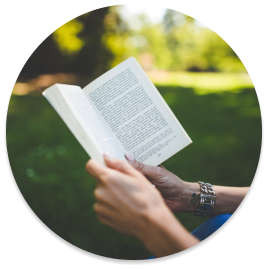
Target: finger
[103,214]
[103,220]
[103,217]
[96,169]
[101,209]
[107,221]
[102,197]
[119,165]
[148,170]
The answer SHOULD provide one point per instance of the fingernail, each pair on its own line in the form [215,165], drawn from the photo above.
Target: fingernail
[129,157]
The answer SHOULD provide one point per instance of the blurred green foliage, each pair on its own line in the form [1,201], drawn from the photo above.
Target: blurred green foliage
[76,47]
[219,111]
[203,82]
[67,37]
[92,43]
[178,42]
[48,163]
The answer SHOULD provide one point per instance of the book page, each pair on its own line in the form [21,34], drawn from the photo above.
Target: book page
[137,115]
[81,118]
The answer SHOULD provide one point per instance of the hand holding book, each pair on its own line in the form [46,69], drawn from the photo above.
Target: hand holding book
[129,203]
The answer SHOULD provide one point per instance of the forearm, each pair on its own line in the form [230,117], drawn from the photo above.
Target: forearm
[164,235]
[227,198]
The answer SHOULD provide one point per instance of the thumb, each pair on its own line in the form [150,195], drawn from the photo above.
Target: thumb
[152,172]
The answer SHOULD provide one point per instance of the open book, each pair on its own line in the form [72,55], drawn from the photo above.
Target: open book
[120,112]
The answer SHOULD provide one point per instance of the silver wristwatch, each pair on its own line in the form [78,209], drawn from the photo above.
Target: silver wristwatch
[204,202]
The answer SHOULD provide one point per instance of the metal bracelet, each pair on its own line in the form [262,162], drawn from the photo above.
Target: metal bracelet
[204,202]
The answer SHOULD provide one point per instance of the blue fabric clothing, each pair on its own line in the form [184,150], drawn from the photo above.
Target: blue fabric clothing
[210,226]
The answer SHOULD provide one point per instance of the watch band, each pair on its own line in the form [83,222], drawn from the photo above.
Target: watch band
[204,202]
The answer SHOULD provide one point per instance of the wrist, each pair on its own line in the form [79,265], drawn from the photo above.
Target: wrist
[156,225]
[150,221]
[164,234]
[184,194]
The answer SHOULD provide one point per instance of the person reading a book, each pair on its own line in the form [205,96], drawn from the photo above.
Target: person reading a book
[138,200]
[123,112]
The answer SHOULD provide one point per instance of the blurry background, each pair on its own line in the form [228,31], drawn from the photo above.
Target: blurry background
[197,73]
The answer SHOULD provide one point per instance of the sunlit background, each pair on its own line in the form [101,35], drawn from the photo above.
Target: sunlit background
[197,73]
[170,46]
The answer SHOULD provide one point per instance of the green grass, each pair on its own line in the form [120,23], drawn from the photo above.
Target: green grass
[48,163]
[204,82]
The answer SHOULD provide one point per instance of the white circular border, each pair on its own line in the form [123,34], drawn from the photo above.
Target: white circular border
[243,242]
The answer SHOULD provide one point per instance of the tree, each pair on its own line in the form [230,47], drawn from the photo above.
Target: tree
[76,47]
